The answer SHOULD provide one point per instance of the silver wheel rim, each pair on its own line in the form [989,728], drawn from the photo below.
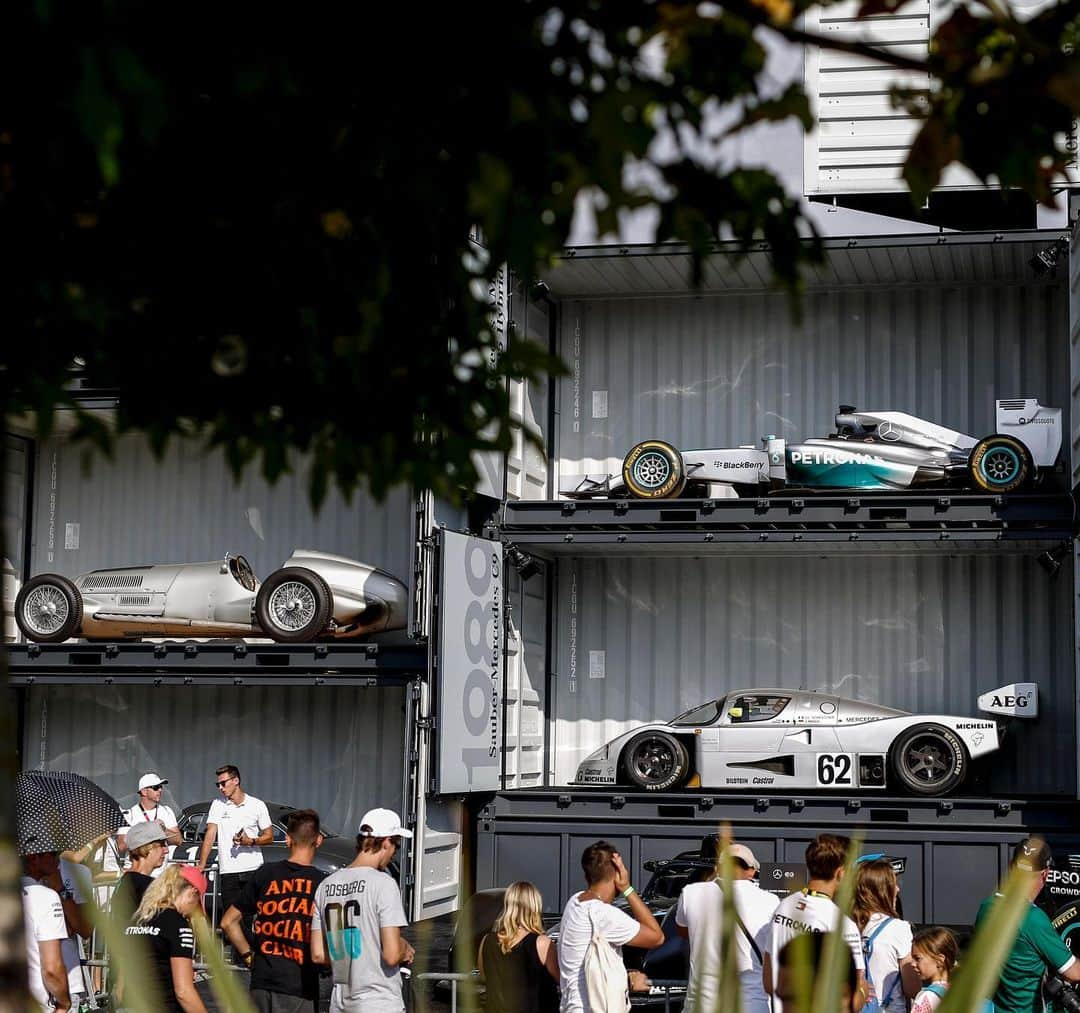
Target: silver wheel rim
[292,605]
[652,469]
[46,609]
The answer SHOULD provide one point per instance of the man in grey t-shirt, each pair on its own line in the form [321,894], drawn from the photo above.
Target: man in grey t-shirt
[356,925]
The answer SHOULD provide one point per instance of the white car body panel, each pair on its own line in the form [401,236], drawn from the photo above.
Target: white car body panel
[728,754]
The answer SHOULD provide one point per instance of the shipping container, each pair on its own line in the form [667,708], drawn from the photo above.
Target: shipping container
[955,851]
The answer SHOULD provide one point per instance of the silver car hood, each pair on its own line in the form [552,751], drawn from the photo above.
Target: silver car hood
[157,578]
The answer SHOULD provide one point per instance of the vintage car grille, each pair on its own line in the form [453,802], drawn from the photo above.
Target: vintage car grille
[133,599]
[102,580]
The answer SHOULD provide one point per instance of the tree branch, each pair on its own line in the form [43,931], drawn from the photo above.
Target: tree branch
[752,13]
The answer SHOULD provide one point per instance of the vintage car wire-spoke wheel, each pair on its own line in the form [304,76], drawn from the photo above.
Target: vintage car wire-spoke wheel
[656,761]
[48,609]
[293,605]
[929,760]
[654,470]
[1000,464]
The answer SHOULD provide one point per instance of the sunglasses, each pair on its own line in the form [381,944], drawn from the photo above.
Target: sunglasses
[154,787]
[221,784]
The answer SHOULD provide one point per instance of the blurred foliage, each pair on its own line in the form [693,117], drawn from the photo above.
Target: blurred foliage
[251,223]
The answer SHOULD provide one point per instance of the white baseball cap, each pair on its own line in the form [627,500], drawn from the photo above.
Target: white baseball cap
[151,780]
[743,854]
[383,823]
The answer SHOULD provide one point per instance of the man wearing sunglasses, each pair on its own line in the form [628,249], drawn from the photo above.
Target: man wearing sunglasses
[150,809]
[240,824]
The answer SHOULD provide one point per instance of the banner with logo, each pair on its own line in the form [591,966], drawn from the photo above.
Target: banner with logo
[470,674]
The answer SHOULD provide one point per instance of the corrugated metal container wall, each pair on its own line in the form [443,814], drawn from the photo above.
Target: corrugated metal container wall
[338,750]
[645,639]
[727,370]
[526,673]
[187,508]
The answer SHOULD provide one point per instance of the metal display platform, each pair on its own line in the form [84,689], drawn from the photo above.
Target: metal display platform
[957,522]
[647,809]
[216,663]
[955,849]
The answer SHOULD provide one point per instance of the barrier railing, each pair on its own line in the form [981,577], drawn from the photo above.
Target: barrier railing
[670,991]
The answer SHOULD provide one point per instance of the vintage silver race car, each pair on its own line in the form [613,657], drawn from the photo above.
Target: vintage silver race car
[772,739]
[870,451]
[313,596]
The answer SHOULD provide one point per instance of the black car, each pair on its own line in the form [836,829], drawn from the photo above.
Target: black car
[335,852]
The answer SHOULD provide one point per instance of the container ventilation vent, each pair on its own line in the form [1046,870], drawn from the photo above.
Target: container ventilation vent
[134,599]
[1013,406]
[99,580]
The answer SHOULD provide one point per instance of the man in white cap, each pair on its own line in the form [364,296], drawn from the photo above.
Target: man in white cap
[699,917]
[356,926]
[148,809]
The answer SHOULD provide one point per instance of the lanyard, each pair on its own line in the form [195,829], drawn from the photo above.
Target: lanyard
[807,892]
[146,814]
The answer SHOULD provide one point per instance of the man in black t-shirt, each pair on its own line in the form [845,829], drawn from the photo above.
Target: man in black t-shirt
[281,896]
[147,846]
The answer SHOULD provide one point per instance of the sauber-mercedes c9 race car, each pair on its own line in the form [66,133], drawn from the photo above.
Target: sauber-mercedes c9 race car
[780,738]
[870,450]
[314,595]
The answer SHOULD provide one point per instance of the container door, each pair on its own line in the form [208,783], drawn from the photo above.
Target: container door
[431,874]
[526,671]
[527,463]
[492,464]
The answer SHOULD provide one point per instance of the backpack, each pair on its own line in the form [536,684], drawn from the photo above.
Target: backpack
[876,1004]
[606,986]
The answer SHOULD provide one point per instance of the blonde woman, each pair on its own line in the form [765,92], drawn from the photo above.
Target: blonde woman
[518,961]
[163,921]
[890,969]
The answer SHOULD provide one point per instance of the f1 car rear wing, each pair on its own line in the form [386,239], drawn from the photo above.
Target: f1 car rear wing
[1019,700]
[1037,427]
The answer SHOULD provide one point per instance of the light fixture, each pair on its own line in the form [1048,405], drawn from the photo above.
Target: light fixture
[1052,559]
[526,565]
[1046,261]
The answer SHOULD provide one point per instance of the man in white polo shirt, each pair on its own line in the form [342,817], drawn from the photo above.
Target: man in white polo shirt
[240,824]
[148,809]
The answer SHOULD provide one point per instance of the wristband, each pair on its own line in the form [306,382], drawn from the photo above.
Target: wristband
[629,890]
[248,958]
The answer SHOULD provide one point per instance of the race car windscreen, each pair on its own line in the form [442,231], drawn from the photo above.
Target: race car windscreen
[704,715]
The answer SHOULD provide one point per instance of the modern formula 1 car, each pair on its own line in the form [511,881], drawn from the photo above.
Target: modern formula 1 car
[870,450]
[781,738]
[313,596]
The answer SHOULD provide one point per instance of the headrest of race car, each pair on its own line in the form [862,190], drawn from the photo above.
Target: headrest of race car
[1019,700]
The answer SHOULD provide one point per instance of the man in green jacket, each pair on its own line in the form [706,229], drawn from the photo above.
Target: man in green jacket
[1037,947]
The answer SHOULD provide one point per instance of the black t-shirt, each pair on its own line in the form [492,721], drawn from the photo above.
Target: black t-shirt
[128,896]
[168,935]
[281,896]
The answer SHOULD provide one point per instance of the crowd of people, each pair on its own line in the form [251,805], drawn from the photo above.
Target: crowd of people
[287,921]
[887,966]
[284,920]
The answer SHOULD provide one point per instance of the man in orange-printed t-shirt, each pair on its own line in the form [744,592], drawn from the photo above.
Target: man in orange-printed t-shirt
[281,896]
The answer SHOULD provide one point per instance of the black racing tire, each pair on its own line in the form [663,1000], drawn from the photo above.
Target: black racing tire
[1000,464]
[929,759]
[49,609]
[656,761]
[654,470]
[293,605]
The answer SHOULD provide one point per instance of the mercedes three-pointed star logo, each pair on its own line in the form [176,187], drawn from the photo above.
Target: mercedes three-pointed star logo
[889,432]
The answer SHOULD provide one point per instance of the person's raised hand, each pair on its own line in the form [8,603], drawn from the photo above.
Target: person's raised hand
[622,877]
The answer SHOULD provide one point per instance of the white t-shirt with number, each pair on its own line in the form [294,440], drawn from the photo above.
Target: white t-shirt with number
[891,945]
[43,918]
[804,912]
[251,816]
[575,934]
